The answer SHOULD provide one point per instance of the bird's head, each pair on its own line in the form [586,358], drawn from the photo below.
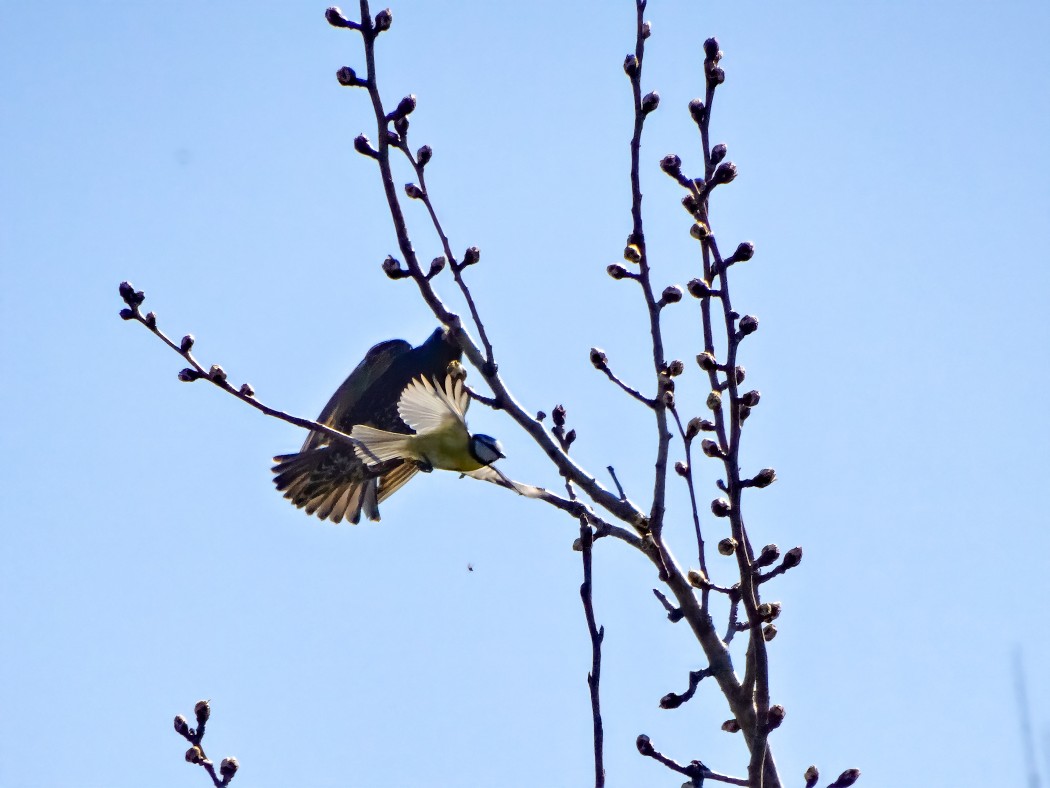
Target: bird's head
[485,449]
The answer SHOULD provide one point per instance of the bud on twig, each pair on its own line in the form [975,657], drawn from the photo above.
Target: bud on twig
[769,611]
[718,152]
[437,265]
[700,231]
[724,173]
[812,777]
[228,768]
[698,288]
[216,375]
[392,268]
[599,359]
[741,373]
[247,390]
[776,716]
[793,557]
[711,449]
[764,477]
[697,578]
[672,165]
[690,204]
[617,271]
[424,154]
[413,191]
[194,754]
[182,727]
[630,66]
[681,468]
[846,779]
[706,361]
[750,399]
[383,20]
[558,416]
[672,294]
[364,147]
[647,29]
[731,726]
[471,256]
[632,253]
[347,77]
[711,51]
[404,107]
[189,375]
[335,18]
[671,700]
[714,400]
[748,324]
[650,101]
[186,345]
[202,711]
[728,545]
[744,252]
[768,555]
[769,631]
[696,111]
[644,745]
[692,429]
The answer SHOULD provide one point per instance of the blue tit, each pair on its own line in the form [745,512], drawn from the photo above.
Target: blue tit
[326,477]
[436,412]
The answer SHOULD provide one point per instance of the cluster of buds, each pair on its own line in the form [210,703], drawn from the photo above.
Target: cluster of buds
[712,71]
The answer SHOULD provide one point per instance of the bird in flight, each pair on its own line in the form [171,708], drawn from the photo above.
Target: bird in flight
[325,477]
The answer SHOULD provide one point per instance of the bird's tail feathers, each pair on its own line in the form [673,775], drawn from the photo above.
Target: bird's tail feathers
[374,446]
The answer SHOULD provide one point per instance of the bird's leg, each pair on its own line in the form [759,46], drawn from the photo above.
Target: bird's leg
[424,465]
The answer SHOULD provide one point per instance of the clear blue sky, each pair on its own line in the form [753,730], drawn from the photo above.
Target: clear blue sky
[894,175]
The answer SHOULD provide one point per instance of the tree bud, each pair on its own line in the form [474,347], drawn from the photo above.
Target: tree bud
[247,390]
[228,768]
[413,191]
[383,20]
[131,296]
[151,319]
[202,711]
[745,411]
[711,51]
[793,557]
[217,374]
[570,437]
[741,373]
[647,29]
[769,631]
[711,449]
[672,294]
[364,147]
[558,416]
[744,252]
[731,726]
[437,265]
[187,343]
[650,101]
[667,398]
[769,611]
[194,754]
[714,400]
[718,152]
[846,779]
[764,477]
[692,429]
[768,555]
[189,375]
[335,17]
[812,777]
[726,546]
[616,271]
[706,361]
[698,288]
[392,268]
[681,468]
[630,66]
[724,173]
[751,398]
[696,111]
[697,578]
[598,358]
[671,164]
[675,368]
[405,107]
[671,700]
[424,154]
[644,745]
[716,75]
[347,77]
[776,716]
[690,204]
[471,256]
[748,324]
[126,314]
[700,231]
[182,727]
[632,253]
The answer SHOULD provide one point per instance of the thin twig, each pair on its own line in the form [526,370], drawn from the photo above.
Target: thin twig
[597,635]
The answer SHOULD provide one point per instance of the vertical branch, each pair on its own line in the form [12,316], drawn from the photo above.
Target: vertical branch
[597,635]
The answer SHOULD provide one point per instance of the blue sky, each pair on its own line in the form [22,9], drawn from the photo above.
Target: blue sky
[893,176]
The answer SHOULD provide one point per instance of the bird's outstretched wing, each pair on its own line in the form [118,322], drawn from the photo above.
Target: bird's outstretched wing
[427,407]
